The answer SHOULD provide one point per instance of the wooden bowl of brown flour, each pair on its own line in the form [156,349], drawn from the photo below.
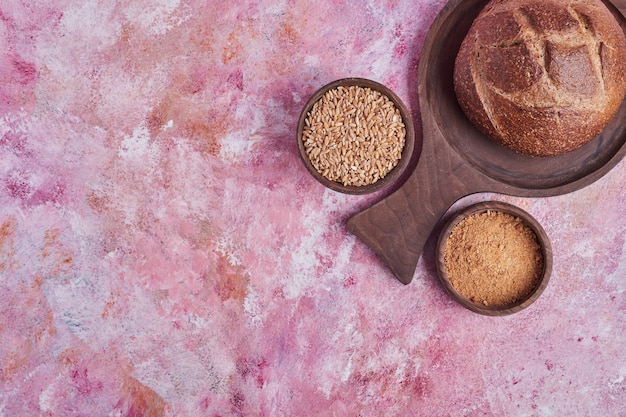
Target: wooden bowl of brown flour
[494,258]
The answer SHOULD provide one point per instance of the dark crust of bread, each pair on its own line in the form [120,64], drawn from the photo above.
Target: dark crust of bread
[542,77]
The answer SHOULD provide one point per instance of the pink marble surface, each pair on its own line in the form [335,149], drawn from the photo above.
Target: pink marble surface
[163,251]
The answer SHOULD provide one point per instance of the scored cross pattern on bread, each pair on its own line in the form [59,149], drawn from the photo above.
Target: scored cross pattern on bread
[542,77]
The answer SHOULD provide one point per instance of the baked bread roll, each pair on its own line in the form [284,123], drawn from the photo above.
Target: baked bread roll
[542,77]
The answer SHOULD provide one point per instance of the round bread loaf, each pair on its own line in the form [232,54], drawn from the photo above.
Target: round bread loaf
[542,77]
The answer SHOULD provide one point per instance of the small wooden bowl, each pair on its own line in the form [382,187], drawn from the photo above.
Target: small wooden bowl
[407,151]
[527,220]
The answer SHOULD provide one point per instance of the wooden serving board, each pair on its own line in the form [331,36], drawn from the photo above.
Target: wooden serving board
[456,160]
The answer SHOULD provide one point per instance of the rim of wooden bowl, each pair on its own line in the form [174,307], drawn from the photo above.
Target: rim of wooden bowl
[528,220]
[407,151]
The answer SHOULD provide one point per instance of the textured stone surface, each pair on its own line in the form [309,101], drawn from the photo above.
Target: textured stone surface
[163,251]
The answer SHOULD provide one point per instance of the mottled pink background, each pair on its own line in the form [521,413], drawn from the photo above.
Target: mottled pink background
[163,251]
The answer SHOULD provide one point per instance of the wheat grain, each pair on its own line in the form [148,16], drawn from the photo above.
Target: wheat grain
[354,135]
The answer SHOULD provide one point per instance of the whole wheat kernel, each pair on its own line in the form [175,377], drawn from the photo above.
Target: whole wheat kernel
[354,135]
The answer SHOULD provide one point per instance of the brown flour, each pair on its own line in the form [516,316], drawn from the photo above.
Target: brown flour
[493,258]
